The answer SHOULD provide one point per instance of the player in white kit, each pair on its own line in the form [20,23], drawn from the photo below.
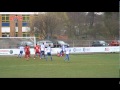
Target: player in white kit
[62,50]
[42,50]
[21,48]
[67,52]
[48,50]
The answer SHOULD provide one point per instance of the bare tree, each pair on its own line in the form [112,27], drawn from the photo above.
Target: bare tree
[76,24]
[111,23]
[44,25]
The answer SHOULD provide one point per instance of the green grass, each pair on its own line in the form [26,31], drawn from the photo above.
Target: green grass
[80,66]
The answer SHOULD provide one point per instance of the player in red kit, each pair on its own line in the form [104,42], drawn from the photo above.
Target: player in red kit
[27,52]
[37,50]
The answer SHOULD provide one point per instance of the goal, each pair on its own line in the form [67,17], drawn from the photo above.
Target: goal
[15,42]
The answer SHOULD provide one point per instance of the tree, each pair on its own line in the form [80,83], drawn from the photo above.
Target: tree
[111,24]
[45,25]
[76,23]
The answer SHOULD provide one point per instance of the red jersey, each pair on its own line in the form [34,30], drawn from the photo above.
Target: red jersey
[27,49]
[37,48]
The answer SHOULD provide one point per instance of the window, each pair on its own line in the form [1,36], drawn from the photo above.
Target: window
[5,18]
[26,34]
[61,42]
[102,41]
[5,34]
[26,18]
[16,34]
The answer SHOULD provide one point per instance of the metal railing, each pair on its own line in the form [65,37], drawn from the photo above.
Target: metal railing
[10,43]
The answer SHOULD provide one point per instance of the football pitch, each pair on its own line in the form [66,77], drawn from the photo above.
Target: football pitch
[80,66]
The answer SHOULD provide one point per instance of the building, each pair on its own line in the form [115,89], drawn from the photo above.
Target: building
[15,24]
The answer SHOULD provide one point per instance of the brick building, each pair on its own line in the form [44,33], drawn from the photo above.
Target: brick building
[15,24]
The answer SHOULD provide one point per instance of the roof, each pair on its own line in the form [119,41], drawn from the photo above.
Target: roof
[21,13]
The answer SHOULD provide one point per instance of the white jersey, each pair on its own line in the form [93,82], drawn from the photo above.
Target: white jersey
[67,50]
[63,47]
[42,47]
[21,48]
[49,49]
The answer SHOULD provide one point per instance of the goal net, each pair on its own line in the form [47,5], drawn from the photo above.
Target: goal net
[15,42]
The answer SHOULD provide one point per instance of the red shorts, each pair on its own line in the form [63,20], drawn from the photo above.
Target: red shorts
[27,53]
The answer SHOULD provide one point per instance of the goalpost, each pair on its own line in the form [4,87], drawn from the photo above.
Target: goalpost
[15,42]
